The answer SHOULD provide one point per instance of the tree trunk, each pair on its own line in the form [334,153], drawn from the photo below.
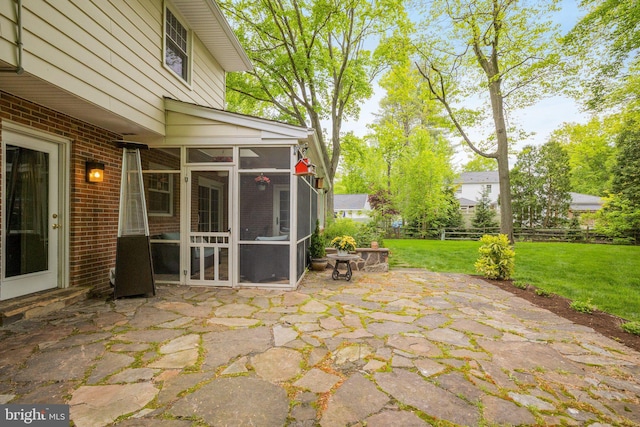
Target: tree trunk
[506,213]
[330,161]
[328,200]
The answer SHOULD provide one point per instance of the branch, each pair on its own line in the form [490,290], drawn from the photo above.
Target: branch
[441,96]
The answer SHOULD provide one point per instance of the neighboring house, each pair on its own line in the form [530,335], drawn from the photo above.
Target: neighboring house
[470,185]
[467,206]
[75,78]
[584,203]
[354,206]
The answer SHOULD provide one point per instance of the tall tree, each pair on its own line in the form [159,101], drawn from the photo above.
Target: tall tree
[421,186]
[405,107]
[626,172]
[606,42]
[502,49]
[359,167]
[620,216]
[554,170]
[591,149]
[480,164]
[484,216]
[311,61]
[540,186]
[416,157]
[526,186]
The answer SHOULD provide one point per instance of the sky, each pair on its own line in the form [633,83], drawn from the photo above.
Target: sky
[540,119]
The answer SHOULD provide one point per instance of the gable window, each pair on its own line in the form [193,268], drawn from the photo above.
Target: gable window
[176,51]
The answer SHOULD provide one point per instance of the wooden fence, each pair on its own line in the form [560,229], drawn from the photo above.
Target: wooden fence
[521,234]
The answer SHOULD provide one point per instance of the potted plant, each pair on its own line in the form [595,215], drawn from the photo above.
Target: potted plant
[344,244]
[317,250]
[262,182]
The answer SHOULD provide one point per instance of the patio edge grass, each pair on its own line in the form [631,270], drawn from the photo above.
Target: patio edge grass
[609,275]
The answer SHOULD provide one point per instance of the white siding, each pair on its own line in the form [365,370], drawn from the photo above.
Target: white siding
[474,191]
[191,128]
[109,53]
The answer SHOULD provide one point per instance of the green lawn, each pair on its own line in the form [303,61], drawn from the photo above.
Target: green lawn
[609,275]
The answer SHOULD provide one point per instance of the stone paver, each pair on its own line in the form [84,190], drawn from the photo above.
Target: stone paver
[403,348]
[411,389]
[317,381]
[217,403]
[356,399]
[277,364]
[282,335]
[101,405]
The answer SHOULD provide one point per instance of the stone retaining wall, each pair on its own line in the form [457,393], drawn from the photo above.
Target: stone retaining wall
[372,260]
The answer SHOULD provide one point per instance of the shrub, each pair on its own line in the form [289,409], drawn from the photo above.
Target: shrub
[520,285]
[368,232]
[583,306]
[631,327]
[317,245]
[497,258]
[363,233]
[543,292]
[340,227]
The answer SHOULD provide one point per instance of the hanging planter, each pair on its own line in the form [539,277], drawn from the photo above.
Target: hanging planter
[262,182]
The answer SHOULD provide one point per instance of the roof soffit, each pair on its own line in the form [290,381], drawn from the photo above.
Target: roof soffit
[206,19]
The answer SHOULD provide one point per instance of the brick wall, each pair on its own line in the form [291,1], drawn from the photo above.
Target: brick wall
[93,207]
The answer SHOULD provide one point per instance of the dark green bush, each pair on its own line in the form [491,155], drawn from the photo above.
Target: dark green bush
[317,245]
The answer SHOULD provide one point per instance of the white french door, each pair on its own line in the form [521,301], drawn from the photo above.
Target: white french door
[209,226]
[281,210]
[30,216]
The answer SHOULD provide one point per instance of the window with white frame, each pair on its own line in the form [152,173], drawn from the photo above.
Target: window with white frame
[487,188]
[176,46]
[160,187]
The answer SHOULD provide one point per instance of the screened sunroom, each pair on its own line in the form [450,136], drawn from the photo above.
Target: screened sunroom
[225,203]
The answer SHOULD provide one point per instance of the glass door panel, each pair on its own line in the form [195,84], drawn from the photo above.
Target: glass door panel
[27,224]
[31,220]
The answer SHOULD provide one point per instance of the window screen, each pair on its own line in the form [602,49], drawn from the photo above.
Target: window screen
[176,46]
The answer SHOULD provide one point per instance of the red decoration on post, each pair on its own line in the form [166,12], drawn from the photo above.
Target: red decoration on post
[305,167]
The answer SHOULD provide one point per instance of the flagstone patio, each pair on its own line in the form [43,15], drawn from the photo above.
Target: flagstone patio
[402,348]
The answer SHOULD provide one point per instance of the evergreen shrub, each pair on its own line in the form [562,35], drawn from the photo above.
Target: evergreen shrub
[317,246]
[497,258]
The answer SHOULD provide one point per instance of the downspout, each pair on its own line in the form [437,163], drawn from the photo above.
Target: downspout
[18,69]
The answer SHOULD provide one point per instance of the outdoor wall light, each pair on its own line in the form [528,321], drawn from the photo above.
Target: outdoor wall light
[95,171]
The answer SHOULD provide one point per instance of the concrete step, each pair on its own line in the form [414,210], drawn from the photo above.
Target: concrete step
[40,303]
